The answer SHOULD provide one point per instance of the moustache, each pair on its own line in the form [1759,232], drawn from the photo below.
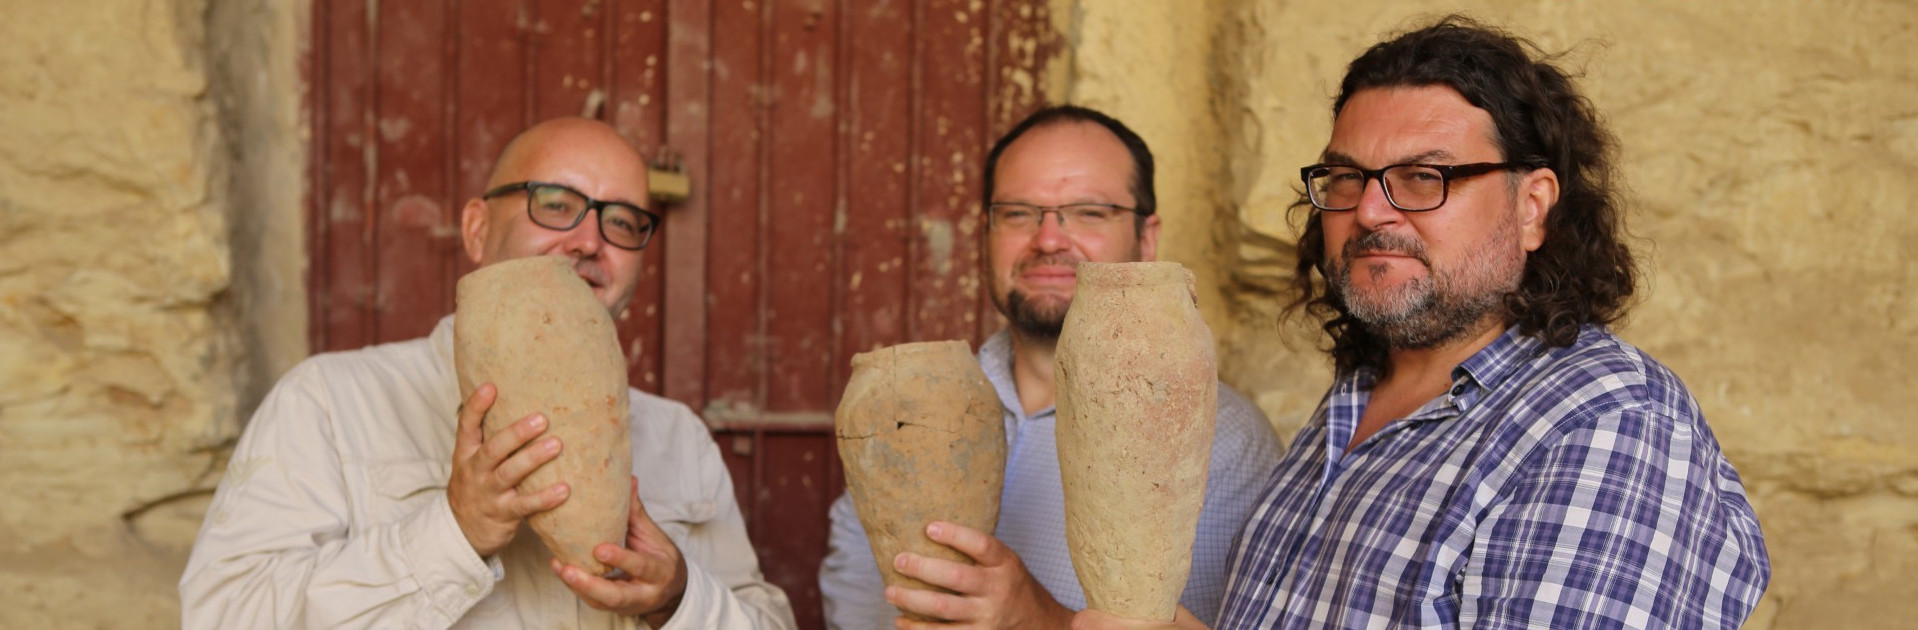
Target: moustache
[1047,260]
[1386,242]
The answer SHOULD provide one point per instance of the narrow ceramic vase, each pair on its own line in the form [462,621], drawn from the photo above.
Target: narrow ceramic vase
[1137,386]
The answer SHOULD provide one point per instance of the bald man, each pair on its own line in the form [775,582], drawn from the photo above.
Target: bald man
[362,494]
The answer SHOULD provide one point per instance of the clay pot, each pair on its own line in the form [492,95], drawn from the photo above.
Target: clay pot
[533,329]
[1137,386]
[922,437]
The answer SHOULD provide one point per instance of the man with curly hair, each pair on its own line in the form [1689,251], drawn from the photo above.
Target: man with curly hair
[1490,455]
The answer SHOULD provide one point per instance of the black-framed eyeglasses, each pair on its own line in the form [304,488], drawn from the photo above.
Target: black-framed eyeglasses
[559,207]
[1408,187]
[1074,218]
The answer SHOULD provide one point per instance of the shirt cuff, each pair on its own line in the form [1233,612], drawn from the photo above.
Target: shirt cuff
[448,571]
[700,606]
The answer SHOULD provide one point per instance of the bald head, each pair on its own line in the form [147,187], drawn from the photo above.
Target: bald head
[585,155]
[541,141]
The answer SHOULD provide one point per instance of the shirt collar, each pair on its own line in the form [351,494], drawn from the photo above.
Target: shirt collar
[1477,374]
[1499,360]
[995,357]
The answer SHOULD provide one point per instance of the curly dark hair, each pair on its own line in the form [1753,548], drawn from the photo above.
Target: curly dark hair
[1583,272]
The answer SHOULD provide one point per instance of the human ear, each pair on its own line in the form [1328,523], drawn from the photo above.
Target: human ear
[474,226]
[1149,238]
[1537,194]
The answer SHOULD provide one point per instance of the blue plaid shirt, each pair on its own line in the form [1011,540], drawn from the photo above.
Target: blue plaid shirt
[1572,487]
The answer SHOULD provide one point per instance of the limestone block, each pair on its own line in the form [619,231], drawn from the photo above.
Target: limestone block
[115,372]
[23,381]
[533,329]
[922,437]
[1137,385]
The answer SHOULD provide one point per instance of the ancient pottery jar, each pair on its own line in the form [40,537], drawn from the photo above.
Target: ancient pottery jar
[1137,386]
[922,437]
[533,329]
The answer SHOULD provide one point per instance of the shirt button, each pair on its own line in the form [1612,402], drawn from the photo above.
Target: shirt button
[1458,390]
[472,590]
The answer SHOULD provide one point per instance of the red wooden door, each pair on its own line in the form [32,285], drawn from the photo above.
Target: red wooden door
[834,149]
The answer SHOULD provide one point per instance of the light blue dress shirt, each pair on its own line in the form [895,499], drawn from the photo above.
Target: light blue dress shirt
[1032,508]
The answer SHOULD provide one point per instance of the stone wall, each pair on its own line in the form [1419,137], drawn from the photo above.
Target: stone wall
[148,150]
[1771,150]
[116,356]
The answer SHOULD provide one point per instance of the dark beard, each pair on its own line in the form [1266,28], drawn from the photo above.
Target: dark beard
[1034,320]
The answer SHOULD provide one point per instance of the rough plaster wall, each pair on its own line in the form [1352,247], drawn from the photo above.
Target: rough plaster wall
[1772,154]
[116,356]
[255,48]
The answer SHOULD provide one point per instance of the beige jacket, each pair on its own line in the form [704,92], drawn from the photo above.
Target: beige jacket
[333,513]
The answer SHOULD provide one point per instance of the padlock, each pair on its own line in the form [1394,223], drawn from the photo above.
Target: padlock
[669,183]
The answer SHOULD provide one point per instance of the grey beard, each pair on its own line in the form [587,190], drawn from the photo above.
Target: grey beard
[1034,319]
[1420,317]
[1436,309]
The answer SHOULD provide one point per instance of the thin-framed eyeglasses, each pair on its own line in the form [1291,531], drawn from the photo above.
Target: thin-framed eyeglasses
[559,207]
[1074,218]
[1408,187]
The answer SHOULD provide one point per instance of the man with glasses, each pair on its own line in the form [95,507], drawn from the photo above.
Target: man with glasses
[1066,185]
[1490,455]
[364,495]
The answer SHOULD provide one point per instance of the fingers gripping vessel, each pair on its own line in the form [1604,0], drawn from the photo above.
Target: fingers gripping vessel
[533,329]
[922,437]
[1137,396]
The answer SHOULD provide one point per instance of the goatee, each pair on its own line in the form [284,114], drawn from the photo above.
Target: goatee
[1035,318]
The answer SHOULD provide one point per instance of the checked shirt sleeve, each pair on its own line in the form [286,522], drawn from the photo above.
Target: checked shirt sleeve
[1629,519]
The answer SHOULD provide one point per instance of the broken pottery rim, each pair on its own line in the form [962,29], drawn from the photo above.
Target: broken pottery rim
[879,357]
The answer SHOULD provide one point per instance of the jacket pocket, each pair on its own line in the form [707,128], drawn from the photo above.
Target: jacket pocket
[398,488]
[403,479]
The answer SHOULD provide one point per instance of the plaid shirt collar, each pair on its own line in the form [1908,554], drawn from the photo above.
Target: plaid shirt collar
[1484,371]
[1561,487]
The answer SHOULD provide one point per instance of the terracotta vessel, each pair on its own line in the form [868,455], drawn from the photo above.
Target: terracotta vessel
[1137,386]
[922,437]
[533,329]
